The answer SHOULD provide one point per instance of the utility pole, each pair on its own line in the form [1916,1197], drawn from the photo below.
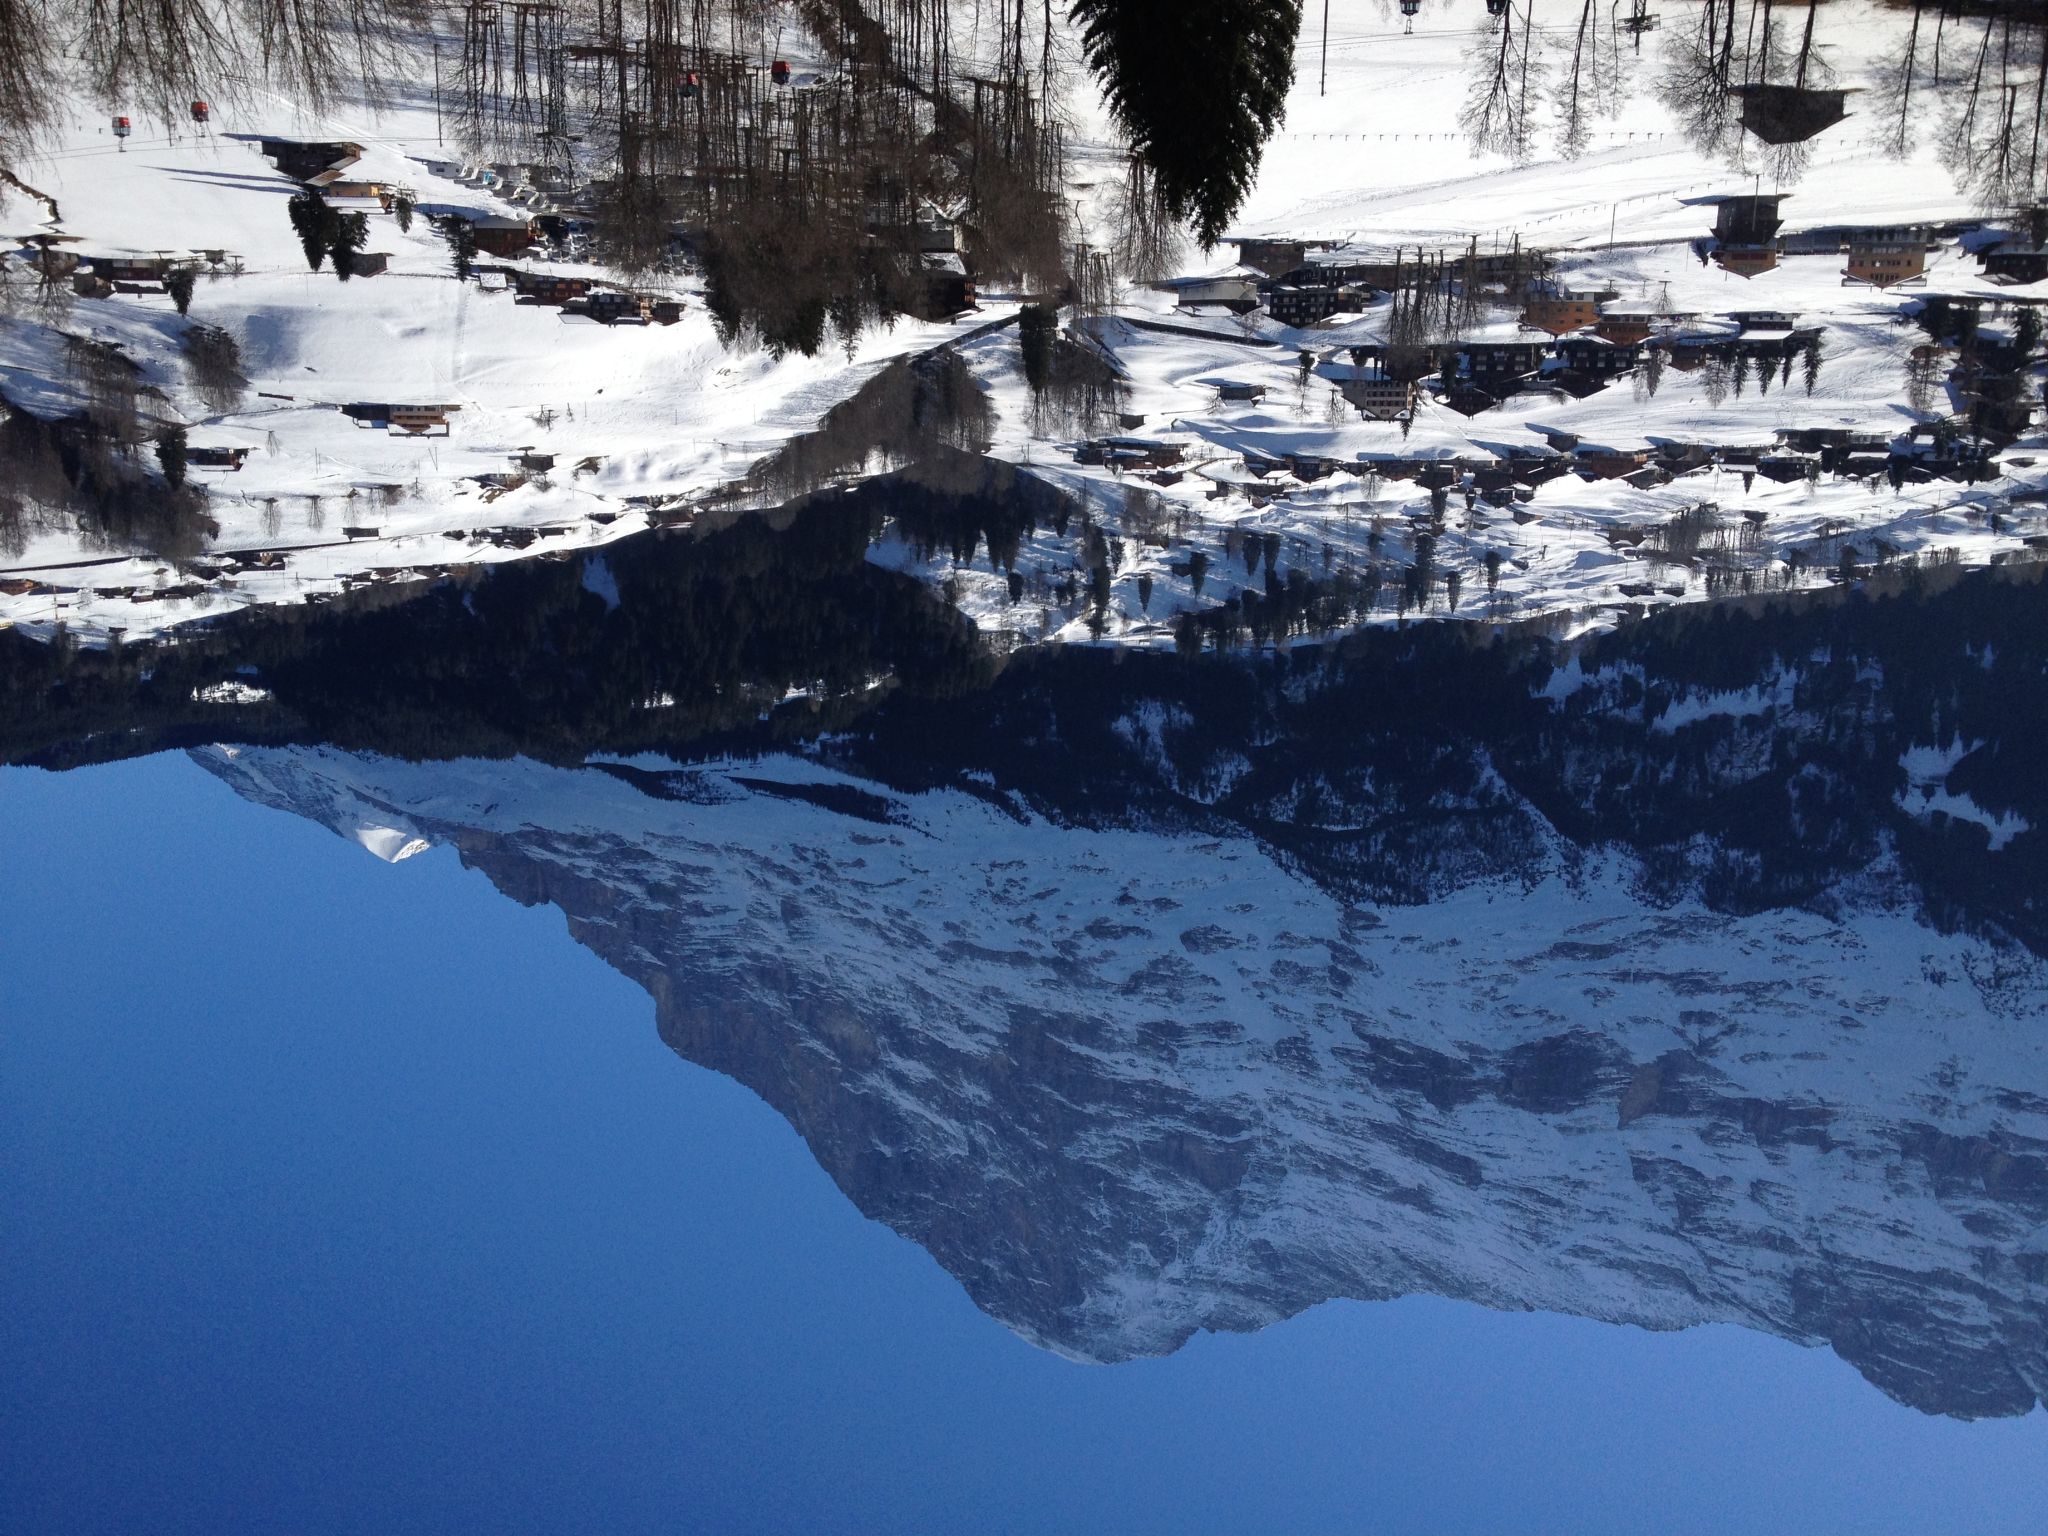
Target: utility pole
[1323,89]
[437,93]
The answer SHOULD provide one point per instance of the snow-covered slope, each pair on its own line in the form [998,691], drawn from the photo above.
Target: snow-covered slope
[1128,1081]
[632,414]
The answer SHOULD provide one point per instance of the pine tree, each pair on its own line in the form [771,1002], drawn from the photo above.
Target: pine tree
[172,454]
[312,220]
[401,210]
[179,285]
[1149,54]
[1037,326]
[349,233]
[461,239]
[2026,332]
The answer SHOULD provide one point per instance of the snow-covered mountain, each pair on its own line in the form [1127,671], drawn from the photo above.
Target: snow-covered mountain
[1130,1075]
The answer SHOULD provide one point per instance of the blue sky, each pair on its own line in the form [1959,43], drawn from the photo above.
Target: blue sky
[344,1197]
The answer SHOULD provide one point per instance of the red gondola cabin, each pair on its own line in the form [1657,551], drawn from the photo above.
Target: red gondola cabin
[779,72]
[121,128]
[691,85]
[201,111]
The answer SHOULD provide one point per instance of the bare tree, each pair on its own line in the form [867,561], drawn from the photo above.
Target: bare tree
[1499,115]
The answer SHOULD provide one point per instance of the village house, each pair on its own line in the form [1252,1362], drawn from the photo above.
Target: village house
[215,458]
[501,234]
[1130,453]
[1589,362]
[1596,461]
[948,289]
[2018,260]
[1745,230]
[547,287]
[318,164]
[151,270]
[1496,366]
[1239,392]
[1301,304]
[378,192]
[615,306]
[1627,322]
[1275,258]
[1238,293]
[1379,398]
[1345,265]
[1559,310]
[1884,257]
[418,420]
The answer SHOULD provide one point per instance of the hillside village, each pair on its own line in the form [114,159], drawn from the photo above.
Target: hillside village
[1318,423]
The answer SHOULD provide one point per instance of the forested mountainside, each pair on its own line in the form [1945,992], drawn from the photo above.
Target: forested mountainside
[1753,754]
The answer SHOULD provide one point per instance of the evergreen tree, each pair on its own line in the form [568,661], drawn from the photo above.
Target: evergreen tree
[313,222]
[2026,332]
[1037,326]
[179,285]
[1148,55]
[349,233]
[461,239]
[401,210]
[172,454]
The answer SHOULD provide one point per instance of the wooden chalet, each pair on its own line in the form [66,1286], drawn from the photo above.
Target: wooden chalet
[418,420]
[316,163]
[2018,260]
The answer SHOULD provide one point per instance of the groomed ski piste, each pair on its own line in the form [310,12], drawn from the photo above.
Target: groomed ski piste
[642,422]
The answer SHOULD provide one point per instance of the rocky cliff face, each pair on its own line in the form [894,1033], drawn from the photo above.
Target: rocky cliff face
[1132,1074]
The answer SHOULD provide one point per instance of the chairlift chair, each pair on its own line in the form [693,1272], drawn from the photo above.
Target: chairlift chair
[1638,20]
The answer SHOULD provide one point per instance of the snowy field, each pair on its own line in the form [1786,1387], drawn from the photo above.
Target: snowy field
[640,417]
